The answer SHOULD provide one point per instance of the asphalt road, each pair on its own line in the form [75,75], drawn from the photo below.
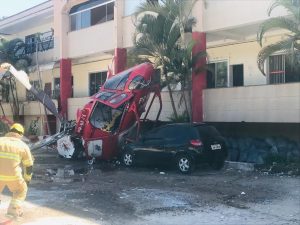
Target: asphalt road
[71,192]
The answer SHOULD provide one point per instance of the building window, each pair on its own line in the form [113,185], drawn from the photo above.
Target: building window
[30,42]
[281,71]
[56,88]
[4,91]
[237,75]
[91,13]
[96,81]
[217,75]
[37,86]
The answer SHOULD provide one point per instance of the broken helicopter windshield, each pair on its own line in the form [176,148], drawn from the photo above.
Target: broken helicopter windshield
[105,117]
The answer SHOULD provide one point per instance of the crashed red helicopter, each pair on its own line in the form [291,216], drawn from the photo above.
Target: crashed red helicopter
[107,119]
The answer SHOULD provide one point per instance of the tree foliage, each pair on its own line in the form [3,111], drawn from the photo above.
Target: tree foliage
[13,52]
[291,24]
[160,37]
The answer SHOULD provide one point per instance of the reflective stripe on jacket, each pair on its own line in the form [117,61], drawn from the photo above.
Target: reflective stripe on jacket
[13,153]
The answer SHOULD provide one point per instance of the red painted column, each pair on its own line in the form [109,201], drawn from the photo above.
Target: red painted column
[198,79]
[120,60]
[65,85]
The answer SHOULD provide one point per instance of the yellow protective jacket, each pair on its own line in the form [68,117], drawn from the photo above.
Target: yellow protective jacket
[13,154]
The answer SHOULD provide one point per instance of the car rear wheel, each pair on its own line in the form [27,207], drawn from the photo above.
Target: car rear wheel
[127,158]
[185,164]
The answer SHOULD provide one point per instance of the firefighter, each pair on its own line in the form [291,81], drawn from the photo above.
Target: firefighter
[16,164]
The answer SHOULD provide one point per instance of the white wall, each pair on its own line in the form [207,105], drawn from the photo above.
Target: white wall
[267,103]
[91,40]
[128,29]
[220,14]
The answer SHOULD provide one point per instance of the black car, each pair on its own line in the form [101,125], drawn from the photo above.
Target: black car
[183,144]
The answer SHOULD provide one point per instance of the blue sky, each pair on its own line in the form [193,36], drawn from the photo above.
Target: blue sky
[11,7]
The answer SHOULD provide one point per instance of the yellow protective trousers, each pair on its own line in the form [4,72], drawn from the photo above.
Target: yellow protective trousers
[19,191]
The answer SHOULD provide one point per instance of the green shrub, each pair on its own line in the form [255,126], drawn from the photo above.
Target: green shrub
[182,118]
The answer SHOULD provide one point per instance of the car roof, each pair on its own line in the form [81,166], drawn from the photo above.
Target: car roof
[187,124]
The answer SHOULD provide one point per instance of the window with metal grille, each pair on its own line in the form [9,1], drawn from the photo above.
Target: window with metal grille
[37,86]
[41,42]
[283,70]
[96,81]
[276,69]
[30,42]
[56,88]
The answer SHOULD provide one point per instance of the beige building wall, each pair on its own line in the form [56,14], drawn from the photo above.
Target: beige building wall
[7,109]
[74,104]
[34,108]
[267,103]
[81,73]
[244,53]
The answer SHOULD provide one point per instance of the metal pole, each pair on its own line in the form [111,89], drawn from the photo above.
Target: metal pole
[40,79]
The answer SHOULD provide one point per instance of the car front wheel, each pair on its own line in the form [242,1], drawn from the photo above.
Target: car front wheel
[185,164]
[127,158]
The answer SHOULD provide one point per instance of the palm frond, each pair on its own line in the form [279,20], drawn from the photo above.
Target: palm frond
[285,46]
[289,5]
[278,22]
[291,24]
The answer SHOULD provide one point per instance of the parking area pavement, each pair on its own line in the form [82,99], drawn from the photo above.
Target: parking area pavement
[73,192]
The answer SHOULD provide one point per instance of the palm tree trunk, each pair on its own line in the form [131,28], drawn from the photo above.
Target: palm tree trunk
[187,108]
[190,98]
[171,96]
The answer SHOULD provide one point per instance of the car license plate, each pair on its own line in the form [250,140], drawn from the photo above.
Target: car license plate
[215,147]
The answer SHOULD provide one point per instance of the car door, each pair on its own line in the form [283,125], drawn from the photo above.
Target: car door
[175,140]
[150,147]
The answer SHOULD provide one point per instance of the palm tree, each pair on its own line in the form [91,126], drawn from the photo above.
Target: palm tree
[291,44]
[160,37]
[13,52]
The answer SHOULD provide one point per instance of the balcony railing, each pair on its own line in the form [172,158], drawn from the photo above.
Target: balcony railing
[37,42]
[40,46]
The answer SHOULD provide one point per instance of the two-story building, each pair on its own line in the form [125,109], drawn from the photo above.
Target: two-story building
[76,41]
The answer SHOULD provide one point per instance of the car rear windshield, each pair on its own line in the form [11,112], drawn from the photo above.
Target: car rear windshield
[208,131]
